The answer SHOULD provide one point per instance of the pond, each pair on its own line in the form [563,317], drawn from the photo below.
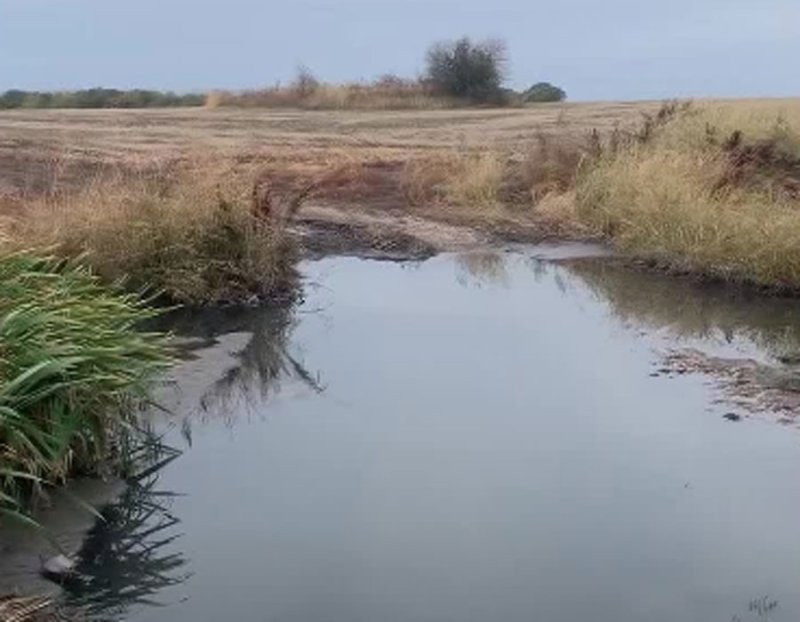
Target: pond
[474,437]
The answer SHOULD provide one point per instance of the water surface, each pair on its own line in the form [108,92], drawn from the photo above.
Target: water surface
[470,438]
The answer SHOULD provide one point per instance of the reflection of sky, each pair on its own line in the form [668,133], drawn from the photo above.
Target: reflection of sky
[617,49]
[481,452]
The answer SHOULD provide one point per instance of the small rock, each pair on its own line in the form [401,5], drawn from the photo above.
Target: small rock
[732,417]
[58,568]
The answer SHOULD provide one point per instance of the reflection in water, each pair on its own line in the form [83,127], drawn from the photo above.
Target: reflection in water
[491,268]
[694,310]
[686,308]
[713,314]
[260,367]
[446,506]
[482,268]
[130,556]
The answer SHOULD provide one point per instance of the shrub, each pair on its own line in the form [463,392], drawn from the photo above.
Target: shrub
[467,70]
[74,372]
[544,92]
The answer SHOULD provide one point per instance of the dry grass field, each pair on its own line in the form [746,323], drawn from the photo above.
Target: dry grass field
[80,139]
[714,190]
[121,133]
[367,166]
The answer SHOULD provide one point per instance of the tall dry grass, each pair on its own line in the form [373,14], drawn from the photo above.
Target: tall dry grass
[537,180]
[463,180]
[714,190]
[476,180]
[204,233]
[550,164]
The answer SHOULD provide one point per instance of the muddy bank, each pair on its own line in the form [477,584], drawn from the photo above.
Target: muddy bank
[361,231]
[749,387]
[65,522]
[325,232]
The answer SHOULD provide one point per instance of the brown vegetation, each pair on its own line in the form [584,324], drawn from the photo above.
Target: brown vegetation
[30,139]
[418,162]
[772,161]
[25,609]
[201,232]
[711,189]
[386,93]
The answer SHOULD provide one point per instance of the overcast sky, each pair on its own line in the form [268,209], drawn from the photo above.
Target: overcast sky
[612,49]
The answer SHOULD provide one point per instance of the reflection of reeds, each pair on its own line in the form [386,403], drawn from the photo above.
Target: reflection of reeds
[261,366]
[129,556]
[687,308]
[483,268]
[694,310]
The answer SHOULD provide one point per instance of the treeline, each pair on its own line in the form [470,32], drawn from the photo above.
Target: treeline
[98,98]
[457,73]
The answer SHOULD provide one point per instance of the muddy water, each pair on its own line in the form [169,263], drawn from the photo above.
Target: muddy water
[470,438]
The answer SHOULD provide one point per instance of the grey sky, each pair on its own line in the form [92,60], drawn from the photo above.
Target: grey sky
[615,49]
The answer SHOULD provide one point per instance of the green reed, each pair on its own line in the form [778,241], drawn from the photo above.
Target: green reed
[75,374]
